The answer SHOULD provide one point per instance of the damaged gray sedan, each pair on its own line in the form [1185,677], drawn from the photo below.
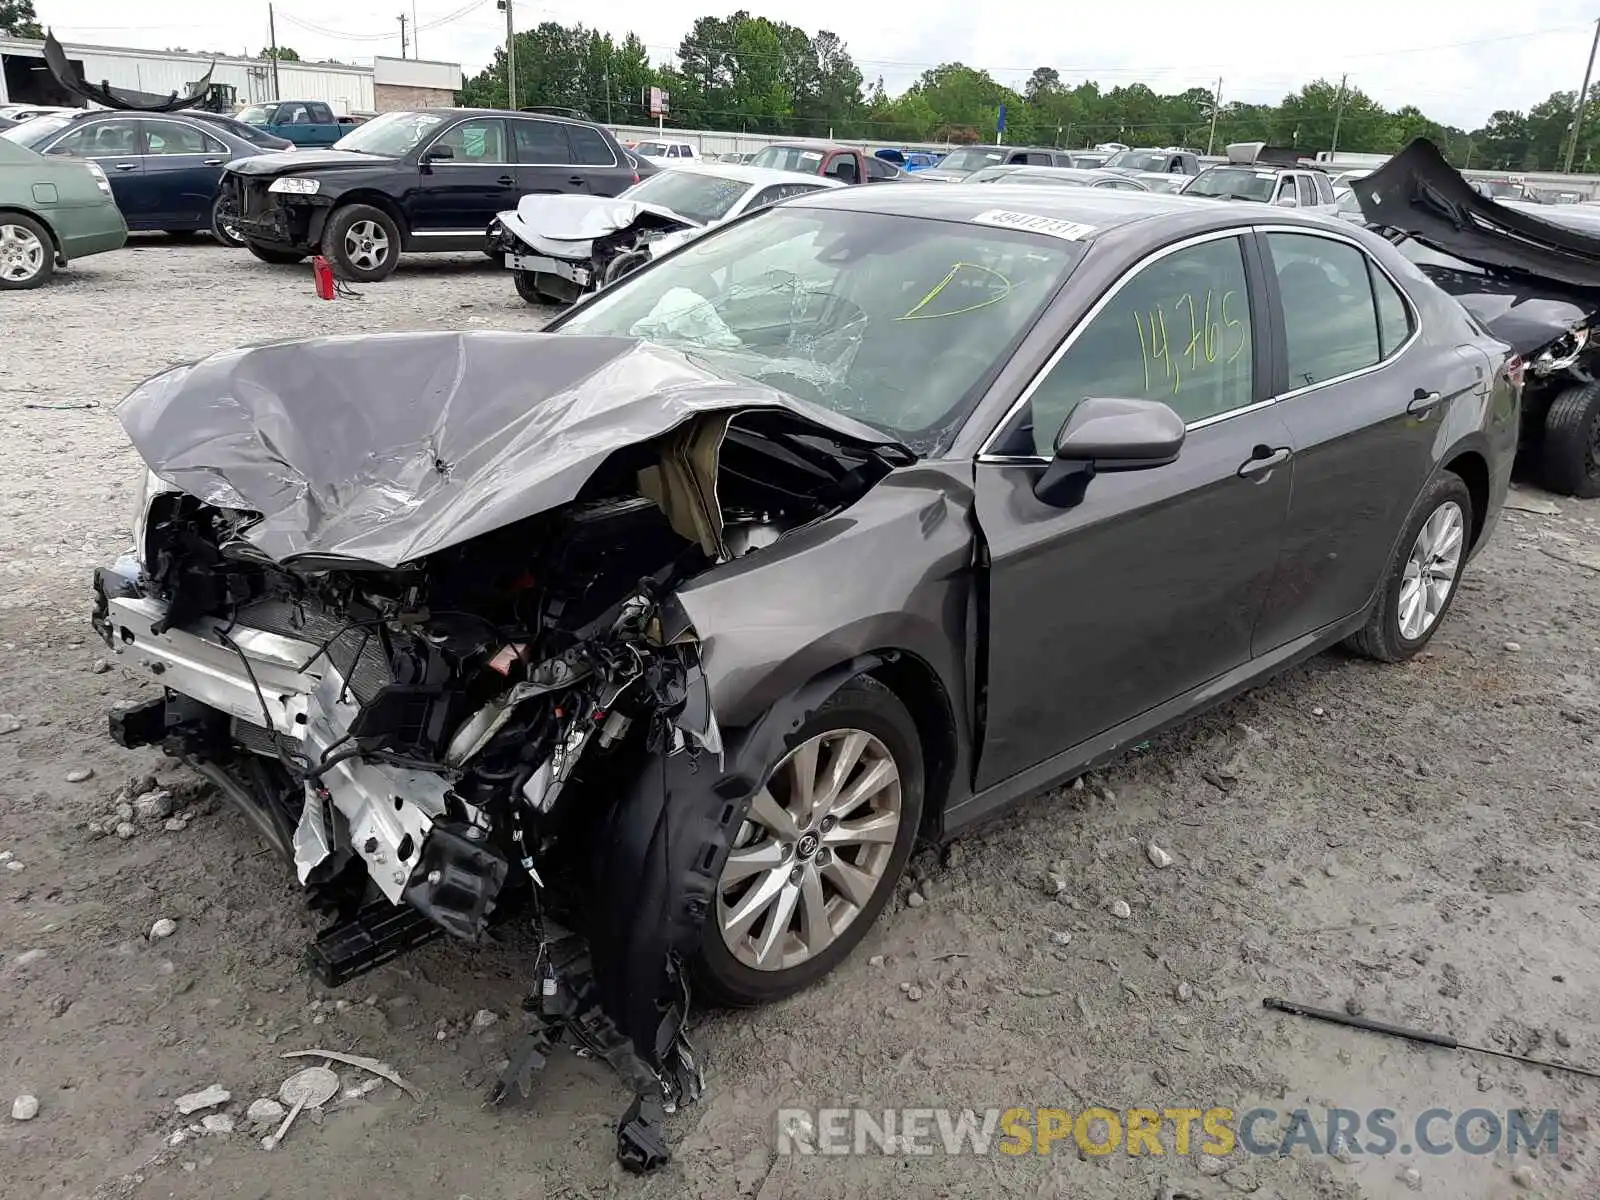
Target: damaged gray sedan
[842,525]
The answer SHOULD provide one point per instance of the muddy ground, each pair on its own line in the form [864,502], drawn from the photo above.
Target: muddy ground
[1420,842]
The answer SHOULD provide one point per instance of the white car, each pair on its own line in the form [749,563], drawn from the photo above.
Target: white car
[560,246]
[666,154]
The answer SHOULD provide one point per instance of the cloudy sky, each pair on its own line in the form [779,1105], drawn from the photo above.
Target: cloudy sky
[1457,60]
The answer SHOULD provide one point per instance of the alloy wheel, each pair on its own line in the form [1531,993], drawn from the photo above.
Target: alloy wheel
[366,245]
[22,254]
[812,852]
[1431,570]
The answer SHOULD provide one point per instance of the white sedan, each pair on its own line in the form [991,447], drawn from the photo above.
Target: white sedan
[560,246]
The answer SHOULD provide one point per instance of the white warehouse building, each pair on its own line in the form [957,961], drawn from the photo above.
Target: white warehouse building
[388,83]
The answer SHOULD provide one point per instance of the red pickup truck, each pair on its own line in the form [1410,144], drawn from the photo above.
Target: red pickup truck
[844,163]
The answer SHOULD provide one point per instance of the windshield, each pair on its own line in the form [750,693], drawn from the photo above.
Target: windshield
[1498,189]
[392,134]
[894,321]
[1138,160]
[31,133]
[700,197]
[1234,183]
[971,159]
[258,114]
[655,149]
[1347,202]
[789,158]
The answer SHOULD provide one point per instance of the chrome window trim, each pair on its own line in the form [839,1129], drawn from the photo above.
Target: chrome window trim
[204,133]
[571,149]
[1336,235]
[1238,231]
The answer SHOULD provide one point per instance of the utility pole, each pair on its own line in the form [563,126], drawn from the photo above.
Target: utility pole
[1338,116]
[1583,95]
[402,35]
[511,56]
[1216,104]
[272,36]
[416,51]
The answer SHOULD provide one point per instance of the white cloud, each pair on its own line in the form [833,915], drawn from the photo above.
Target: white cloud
[1456,61]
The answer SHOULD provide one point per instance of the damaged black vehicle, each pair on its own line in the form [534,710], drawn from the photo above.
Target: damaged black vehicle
[841,525]
[1531,274]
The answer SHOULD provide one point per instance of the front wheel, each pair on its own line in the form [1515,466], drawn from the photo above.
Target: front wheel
[818,855]
[1569,453]
[362,243]
[1421,580]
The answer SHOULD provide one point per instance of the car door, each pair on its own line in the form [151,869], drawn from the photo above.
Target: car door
[1362,394]
[1151,585]
[468,175]
[182,166]
[544,158]
[595,162]
[116,145]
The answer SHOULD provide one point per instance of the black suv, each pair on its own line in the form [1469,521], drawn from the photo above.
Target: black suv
[429,180]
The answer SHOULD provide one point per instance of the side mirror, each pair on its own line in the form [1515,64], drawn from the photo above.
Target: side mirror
[1108,435]
[439,154]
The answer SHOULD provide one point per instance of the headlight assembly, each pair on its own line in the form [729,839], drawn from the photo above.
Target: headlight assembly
[1562,353]
[295,185]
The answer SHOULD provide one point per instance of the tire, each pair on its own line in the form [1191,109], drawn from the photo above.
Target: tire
[625,264]
[1388,636]
[274,255]
[181,235]
[527,287]
[221,230]
[362,243]
[27,253]
[1569,453]
[865,715]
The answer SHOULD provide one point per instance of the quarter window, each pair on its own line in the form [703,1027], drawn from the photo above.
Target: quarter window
[477,141]
[1178,331]
[1394,316]
[1324,189]
[1330,320]
[1308,193]
[541,142]
[589,147]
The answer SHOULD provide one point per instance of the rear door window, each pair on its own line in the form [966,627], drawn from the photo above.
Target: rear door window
[1308,194]
[1324,189]
[173,137]
[1330,318]
[321,114]
[541,143]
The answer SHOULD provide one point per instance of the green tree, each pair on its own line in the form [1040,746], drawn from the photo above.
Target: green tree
[282,54]
[17,19]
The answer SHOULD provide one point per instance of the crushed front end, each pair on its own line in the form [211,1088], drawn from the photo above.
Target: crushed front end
[424,635]
[585,241]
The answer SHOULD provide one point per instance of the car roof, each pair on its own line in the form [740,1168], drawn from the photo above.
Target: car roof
[1088,174]
[803,145]
[1265,168]
[1102,209]
[506,112]
[754,176]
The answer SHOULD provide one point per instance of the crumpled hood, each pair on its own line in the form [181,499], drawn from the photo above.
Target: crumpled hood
[296,162]
[567,226]
[380,449]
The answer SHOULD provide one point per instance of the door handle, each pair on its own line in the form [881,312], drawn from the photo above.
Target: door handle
[1263,459]
[213,162]
[576,180]
[505,181]
[126,166]
[1422,402]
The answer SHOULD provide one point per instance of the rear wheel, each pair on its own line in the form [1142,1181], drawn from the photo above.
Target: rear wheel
[275,255]
[818,855]
[27,255]
[222,227]
[1422,576]
[1569,453]
[362,243]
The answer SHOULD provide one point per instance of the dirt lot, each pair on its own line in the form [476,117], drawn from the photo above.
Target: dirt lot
[1422,842]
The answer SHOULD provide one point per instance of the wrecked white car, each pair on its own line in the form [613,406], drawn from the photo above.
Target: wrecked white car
[560,246]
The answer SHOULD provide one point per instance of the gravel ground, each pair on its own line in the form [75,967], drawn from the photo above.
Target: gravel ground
[1420,842]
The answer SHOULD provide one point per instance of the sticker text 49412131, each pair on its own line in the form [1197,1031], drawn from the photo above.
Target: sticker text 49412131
[1181,337]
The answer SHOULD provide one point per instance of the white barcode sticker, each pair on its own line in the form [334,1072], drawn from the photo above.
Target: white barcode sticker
[1033,223]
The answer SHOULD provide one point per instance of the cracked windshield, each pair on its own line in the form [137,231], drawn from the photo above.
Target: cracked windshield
[835,306]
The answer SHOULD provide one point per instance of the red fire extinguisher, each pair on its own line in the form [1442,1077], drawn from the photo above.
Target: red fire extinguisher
[323,274]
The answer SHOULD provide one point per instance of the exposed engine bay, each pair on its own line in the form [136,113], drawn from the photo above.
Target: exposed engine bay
[445,721]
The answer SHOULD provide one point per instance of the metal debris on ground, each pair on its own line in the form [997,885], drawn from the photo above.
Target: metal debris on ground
[314,1086]
[209,1097]
[1527,502]
[381,1069]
